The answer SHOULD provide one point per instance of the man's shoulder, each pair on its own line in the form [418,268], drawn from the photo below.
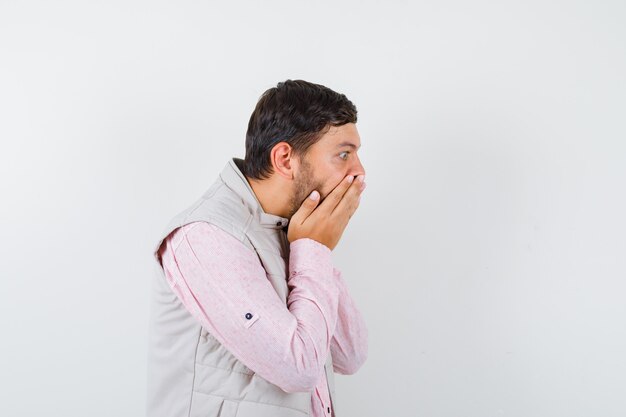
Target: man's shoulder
[200,229]
[220,210]
[208,241]
[223,209]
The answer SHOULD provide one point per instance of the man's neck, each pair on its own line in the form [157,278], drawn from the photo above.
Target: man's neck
[272,196]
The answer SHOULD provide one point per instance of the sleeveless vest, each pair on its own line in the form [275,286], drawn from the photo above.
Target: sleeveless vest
[189,372]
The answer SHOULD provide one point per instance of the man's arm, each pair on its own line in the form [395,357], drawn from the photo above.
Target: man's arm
[349,344]
[224,286]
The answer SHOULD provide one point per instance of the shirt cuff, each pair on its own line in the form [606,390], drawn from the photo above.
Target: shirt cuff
[307,254]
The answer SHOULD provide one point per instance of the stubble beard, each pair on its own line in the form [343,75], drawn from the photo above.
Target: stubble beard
[303,186]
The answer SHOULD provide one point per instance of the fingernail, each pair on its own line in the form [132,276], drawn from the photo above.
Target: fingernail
[361,178]
[314,195]
[350,178]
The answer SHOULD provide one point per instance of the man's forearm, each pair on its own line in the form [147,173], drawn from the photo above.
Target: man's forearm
[349,345]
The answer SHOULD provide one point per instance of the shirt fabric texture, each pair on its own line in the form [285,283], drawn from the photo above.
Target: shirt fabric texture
[216,278]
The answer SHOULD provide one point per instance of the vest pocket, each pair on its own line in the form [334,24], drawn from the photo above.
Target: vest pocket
[206,405]
[228,409]
[255,409]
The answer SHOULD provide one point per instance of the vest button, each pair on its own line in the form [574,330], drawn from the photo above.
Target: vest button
[248,316]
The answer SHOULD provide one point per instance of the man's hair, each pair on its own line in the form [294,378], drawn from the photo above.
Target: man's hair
[297,112]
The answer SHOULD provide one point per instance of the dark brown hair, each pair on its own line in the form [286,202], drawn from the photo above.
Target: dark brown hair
[297,112]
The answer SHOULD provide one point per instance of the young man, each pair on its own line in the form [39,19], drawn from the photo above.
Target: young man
[249,318]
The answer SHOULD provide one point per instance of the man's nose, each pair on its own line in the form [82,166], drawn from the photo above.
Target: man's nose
[358,168]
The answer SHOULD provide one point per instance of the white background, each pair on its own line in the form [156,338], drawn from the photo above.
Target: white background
[488,252]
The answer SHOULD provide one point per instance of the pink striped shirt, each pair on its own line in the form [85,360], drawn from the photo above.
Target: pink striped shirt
[219,280]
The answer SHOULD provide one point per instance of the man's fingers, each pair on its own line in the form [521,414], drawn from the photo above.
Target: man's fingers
[351,198]
[335,196]
[308,205]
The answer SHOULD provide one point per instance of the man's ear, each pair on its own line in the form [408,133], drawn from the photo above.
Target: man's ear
[284,161]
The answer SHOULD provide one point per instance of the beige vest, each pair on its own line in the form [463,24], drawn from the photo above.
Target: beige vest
[189,372]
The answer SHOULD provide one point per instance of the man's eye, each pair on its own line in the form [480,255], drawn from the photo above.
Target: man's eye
[344,153]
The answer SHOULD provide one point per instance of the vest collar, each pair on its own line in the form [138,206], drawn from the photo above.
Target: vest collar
[237,181]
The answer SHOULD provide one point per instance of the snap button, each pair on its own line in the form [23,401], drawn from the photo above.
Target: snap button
[279,223]
[248,316]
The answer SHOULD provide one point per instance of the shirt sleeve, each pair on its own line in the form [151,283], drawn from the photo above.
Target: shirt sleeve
[223,284]
[349,345]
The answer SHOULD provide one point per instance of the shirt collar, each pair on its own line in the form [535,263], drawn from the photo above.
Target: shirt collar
[237,181]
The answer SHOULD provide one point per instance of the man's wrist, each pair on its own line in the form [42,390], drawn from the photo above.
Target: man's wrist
[306,253]
[311,243]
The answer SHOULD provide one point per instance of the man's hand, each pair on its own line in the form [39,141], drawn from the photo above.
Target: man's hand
[327,222]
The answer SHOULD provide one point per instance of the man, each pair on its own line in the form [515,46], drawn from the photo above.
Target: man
[249,318]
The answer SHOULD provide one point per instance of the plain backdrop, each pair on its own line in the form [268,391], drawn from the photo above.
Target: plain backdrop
[488,252]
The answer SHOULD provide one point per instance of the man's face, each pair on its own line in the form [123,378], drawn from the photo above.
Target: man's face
[327,162]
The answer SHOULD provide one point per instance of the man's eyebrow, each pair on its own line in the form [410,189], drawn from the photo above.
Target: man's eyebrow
[352,145]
